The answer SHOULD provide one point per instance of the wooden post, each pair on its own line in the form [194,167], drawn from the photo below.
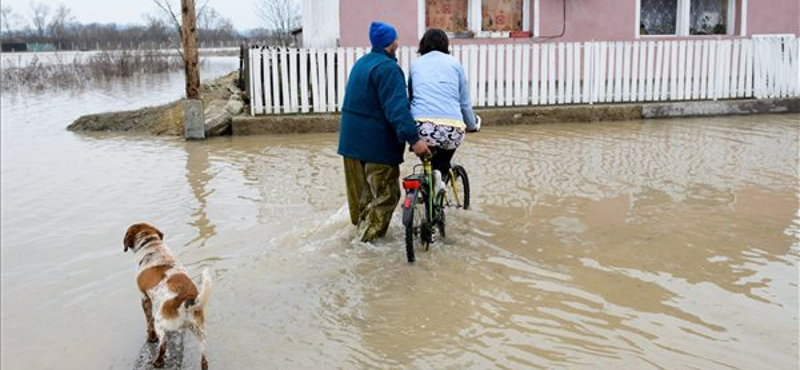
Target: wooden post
[193,120]
[189,38]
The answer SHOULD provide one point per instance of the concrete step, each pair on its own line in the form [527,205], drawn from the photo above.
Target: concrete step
[174,359]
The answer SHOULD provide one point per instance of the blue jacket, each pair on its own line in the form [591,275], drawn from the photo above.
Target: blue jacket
[376,120]
[438,88]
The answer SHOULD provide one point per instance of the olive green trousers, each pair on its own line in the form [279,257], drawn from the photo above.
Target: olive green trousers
[373,191]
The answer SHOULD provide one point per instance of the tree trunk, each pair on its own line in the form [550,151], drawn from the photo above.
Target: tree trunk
[189,39]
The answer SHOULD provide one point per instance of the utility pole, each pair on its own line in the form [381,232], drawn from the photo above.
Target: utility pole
[193,122]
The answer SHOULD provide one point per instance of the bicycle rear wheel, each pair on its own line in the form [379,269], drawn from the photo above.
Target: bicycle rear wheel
[459,183]
[417,227]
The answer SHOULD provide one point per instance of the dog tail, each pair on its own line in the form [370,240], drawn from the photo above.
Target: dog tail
[205,291]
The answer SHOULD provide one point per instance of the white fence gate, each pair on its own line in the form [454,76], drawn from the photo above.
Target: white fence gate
[308,80]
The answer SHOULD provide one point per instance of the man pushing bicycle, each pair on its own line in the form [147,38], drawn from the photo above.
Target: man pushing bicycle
[376,124]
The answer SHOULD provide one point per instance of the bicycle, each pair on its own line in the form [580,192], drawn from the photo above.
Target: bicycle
[424,205]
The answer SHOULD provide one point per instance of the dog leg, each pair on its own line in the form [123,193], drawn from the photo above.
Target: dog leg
[201,340]
[162,346]
[147,306]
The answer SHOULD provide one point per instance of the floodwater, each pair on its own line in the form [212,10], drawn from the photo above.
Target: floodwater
[15,60]
[631,245]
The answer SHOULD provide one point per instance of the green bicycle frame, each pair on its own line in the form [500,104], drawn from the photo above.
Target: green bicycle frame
[427,168]
[453,185]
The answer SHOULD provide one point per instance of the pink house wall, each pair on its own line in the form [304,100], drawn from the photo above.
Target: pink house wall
[773,16]
[601,21]
[598,20]
[355,17]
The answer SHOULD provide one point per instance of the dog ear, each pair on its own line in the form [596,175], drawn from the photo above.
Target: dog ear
[133,234]
[130,237]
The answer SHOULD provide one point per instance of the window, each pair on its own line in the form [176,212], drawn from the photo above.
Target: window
[448,15]
[658,17]
[480,18]
[501,15]
[709,17]
[686,17]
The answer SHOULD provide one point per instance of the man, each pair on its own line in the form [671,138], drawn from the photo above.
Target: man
[376,124]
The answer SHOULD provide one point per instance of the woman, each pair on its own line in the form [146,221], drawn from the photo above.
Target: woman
[440,104]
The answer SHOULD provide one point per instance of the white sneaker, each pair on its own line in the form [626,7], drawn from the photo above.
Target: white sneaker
[437,182]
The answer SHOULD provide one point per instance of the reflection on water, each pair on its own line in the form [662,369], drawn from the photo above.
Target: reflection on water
[658,244]
[198,176]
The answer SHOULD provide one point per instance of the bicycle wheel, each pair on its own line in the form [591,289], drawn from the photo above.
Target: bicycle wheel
[417,229]
[459,183]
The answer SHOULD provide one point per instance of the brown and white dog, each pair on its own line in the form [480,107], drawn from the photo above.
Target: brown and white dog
[170,298]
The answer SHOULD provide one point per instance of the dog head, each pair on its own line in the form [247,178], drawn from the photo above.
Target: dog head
[140,231]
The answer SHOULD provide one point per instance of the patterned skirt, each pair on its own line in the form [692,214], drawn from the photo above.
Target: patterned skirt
[441,136]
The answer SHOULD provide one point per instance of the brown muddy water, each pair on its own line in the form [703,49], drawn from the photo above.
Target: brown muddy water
[631,245]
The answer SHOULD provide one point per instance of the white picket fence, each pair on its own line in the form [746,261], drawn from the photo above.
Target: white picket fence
[307,80]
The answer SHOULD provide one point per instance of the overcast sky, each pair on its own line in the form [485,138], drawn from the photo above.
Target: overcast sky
[240,12]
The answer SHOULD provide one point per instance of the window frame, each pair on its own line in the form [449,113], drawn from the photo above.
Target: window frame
[475,19]
[684,16]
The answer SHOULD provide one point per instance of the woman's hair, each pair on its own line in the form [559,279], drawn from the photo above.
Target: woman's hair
[434,39]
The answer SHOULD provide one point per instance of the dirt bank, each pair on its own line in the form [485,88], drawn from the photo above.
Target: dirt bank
[164,119]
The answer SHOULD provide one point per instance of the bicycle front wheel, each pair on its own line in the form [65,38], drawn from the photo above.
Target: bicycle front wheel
[459,184]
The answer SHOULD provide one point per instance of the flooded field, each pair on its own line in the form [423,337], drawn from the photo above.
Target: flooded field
[631,245]
[16,60]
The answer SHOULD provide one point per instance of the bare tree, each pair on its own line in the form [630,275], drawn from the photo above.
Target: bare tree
[157,30]
[168,11]
[6,17]
[39,15]
[208,19]
[212,27]
[281,16]
[190,57]
[171,9]
[58,24]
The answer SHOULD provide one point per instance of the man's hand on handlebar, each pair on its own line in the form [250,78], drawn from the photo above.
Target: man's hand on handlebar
[421,148]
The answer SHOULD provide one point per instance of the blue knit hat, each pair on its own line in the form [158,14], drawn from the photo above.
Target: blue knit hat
[381,34]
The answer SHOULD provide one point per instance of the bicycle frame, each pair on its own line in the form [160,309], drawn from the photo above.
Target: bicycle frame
[421,224]
[425,203]
[417,181]
[453,185]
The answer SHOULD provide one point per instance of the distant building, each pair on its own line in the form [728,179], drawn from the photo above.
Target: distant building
[332,23]
[40,46]
[16,47]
